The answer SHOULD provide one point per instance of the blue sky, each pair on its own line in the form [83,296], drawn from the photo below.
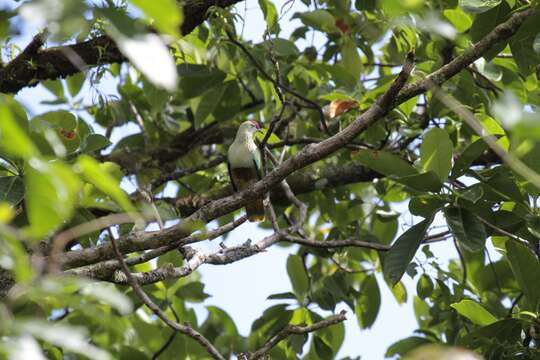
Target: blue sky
[241,288]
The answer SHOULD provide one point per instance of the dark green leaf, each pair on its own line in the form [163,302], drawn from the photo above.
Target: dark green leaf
[466,228]
[402,347]
[436,152]
[297,275]
[11,189]
[385,163]
[526,269]
[402,252]
[471,153]
[474,312]
[95,142]
[368,303]
[196,79]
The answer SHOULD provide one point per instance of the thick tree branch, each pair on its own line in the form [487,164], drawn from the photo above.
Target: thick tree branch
[54,63]
[296,330]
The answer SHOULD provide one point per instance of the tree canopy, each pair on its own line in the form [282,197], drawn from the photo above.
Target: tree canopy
[389,125]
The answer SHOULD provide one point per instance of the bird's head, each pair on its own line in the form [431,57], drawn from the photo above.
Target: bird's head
[249,126]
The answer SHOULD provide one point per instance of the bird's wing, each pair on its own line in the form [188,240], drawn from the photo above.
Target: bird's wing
[257,163]
[231,176]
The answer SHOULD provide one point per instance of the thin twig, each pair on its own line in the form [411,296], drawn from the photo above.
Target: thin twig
[169,341]
[311,104]
[185,328]
[296,330]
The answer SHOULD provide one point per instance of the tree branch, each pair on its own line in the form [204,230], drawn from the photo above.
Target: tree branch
[296,330]
[35,65]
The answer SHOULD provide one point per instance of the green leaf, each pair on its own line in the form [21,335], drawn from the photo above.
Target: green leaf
[270,16]
[425,205]
[52,190]
[94,142]
[193,291]
[436,152]
[321,20]
[478,6]
[526,269]
[100,178]
[195,79]
[368,303]
[522,45]
[486,22]
[11,189]
[424,286]
[13,139]
[208,103]
[474,312]
[504,331]
[404,346]
[323,350]
[167,14]
[459,18]
[385,163]
[351,59]
[428,181]
[298,276]
[108,294]
[471,153]
[281,47]
[466,228]
[75,83]
[73,339]
[272,139]
[400,292]
[402,251]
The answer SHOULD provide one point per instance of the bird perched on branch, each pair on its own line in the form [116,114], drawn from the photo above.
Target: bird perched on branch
[244,164]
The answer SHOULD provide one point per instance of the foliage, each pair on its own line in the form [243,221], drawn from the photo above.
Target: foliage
[63,175]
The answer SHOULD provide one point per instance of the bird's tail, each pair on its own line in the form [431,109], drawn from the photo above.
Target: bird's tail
[255,210]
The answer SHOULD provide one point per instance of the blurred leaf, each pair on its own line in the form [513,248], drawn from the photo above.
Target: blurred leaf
[402,252]
[144,51]
[522,45]
[96,175]
[404,346]
[424,286]
[11,189]
[167,14]
[321,20]
[94,142]
[297,275]
[108,294]
[460,19]
[471,153]
[52,190]
[192,291]
[272,139]
[13,140]
[474,312]
[75,83]
[67,337]
[195,79]
[369,302]
[351,59]
[270,16]
[466,228]
[526,269]
[385,163]
[436,152]
[478,6]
